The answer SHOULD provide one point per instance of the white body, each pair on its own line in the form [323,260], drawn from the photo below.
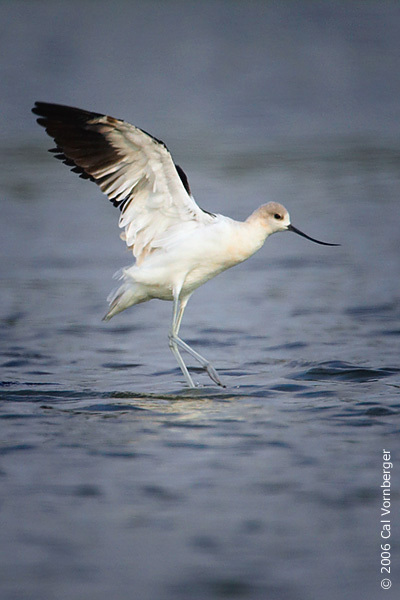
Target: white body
[190,255]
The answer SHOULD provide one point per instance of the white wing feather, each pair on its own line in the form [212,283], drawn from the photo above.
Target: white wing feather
[135,170]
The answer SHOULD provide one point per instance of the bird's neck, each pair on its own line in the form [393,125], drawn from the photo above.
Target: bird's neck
[243,239]
[258,229]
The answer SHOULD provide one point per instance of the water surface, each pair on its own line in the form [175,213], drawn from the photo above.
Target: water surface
[116,481]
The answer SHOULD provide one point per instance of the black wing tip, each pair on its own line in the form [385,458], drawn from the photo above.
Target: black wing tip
[38,108]
[41,107]
[45,109]
[51,116]
[51,111]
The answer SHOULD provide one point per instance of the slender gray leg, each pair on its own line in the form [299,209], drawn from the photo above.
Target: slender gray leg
[179,307]
[203,361]
[175,341]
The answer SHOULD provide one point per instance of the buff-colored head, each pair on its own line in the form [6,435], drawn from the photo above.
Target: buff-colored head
[274,217]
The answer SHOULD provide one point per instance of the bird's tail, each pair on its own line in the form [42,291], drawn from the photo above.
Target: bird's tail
[126,295]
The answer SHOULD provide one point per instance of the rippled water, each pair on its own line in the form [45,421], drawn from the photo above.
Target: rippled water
[116,481]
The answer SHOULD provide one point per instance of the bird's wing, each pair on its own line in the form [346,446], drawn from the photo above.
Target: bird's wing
[134,169]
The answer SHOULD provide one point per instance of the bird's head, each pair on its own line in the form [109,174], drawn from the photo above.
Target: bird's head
[275,218]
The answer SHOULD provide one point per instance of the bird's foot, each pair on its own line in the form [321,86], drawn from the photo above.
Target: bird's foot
[212,373]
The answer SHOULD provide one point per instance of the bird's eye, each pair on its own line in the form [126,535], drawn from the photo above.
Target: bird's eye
[277,216]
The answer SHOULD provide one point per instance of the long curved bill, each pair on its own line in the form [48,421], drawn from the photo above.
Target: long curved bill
[295,230]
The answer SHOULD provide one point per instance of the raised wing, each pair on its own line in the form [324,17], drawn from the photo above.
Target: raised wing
[134,169]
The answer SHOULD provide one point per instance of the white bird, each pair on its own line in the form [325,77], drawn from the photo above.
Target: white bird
[177,245]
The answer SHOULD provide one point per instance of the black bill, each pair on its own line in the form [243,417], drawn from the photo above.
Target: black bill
[295,230]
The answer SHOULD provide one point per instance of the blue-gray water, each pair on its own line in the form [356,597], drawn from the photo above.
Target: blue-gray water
[115,481]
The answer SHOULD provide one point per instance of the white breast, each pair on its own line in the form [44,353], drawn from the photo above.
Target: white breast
[193,254]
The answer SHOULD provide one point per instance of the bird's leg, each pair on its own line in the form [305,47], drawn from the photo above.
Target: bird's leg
[175,341]
[203,361]
[179,307]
